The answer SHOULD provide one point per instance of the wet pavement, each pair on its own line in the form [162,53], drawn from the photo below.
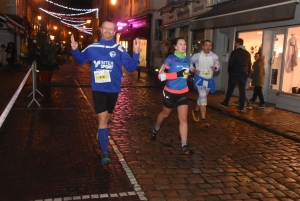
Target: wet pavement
[50,152]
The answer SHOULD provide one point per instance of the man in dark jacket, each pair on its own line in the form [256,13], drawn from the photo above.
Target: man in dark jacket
[239,69]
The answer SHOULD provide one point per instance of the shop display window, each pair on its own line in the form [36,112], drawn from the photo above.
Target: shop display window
[143,52]
[291,66]
[252,41]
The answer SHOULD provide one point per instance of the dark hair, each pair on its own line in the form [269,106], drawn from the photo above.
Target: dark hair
[107,20]
[175,40]
[239,41]
[203,42]
[258,54]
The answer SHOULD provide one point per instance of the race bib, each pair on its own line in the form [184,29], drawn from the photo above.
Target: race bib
[205,74]
[102,76]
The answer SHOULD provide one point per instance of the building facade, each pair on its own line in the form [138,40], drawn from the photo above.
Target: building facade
[266,29]
[138,19]
[11,26]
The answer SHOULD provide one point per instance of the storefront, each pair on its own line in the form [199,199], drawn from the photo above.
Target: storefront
[266,29]
[176,23]
[129,30]
[11,30]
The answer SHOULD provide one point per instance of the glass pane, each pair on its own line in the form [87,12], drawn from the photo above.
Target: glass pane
[277,60]
[291,79]
[252,41]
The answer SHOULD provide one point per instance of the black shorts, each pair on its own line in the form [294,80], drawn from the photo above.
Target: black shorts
[169,99]
[104,101]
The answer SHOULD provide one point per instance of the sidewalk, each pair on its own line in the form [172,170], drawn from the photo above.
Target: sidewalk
[272,119]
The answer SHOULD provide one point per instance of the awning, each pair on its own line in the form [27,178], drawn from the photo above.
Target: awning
[2,18]
[245,12]
[142,32]
[14,23]
[176,24]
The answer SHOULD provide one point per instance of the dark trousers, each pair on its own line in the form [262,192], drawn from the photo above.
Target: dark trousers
[241,79]
[258,92]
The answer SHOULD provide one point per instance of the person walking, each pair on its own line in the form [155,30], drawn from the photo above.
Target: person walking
[175,71]
[205,62]
[10,54]
[239,69]
[258,79]
[107,59]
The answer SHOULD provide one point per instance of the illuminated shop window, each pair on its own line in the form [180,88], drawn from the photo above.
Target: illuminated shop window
[291,66]
[252,41]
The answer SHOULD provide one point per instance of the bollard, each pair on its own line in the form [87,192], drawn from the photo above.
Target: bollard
[156,75]
[139,73]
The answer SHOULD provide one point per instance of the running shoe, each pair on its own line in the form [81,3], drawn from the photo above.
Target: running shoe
[204,124]
[249,106]
[242,111]
[154,135]
[223,105]
[105,159]
[236,103]
[251,101]
[262,106]
[186,150]
[195,115]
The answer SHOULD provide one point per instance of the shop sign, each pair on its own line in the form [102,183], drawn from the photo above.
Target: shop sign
[199,8]
[15,27]
[183,13]
[169,17]
[121,25]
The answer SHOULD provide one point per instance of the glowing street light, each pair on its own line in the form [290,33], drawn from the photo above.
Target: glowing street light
[39,17]
[70,32]
[113,2]
[81,36]
[55,27]
[88,21]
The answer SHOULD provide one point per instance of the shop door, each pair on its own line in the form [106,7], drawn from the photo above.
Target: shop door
[276,60]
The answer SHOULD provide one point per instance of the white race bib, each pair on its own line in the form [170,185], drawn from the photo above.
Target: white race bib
[206,74]
[102,76]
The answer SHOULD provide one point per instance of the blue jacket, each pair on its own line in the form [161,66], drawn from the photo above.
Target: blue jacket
[175,64]
[108,57]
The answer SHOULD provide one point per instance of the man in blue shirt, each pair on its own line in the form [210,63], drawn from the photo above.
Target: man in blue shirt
[107,59]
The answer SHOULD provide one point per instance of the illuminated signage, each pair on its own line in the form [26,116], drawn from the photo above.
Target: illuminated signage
[120,25]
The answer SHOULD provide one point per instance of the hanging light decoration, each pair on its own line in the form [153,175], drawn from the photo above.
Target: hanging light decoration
[69,20]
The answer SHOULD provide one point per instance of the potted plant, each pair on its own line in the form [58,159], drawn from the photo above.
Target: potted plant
[48,54]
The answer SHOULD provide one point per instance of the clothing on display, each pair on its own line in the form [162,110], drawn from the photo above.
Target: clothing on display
[292,54]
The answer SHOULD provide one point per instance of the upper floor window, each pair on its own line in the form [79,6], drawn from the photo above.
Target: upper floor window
[126,2]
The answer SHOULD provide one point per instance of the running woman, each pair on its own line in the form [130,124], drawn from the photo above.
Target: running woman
[175,71]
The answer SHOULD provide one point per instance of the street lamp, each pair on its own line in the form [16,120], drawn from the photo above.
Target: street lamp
[113,2]
[69,32]
[88,21]
[39,17]
[55,27]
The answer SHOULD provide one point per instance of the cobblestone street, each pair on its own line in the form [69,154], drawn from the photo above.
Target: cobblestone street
[51,153]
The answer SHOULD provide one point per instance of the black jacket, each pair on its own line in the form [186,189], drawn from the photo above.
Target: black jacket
[239,61]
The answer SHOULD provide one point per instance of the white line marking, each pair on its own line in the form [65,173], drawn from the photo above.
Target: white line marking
[127,169]
[13,99]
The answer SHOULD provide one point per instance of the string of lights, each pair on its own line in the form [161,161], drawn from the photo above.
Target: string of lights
[66,18]
[64,21]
